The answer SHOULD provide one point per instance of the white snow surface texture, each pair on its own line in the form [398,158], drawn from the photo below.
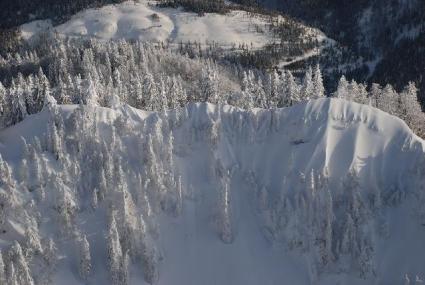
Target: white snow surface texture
[135,20]
[255,150]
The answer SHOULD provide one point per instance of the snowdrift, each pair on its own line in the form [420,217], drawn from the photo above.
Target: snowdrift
[324,192]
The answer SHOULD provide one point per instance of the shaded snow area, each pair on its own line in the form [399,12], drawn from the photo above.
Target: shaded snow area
[141,21]
[324,192]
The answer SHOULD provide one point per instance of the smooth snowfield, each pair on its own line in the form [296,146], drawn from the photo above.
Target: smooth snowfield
[326,132]
[140,21]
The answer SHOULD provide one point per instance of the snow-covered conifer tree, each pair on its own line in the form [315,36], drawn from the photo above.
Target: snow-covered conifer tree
[342,90]
[92,97]
[125,269]
[114,251]
[247,99]
[23,272]
[411,110]
[23,170]
[308,88]
[32,241]
[349,237]
[319,89]
[94,199]
[3,107]
[292,89]
[12,278]
[3,278]
[85,266]
[375,95]
[50,252]
[225,224]
[5,172]
[179,198]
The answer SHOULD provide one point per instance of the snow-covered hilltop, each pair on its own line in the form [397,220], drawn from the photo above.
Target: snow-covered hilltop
[139,21]
[144,21]
[326,191]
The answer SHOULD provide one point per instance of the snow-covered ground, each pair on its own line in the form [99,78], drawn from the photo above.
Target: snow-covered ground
[141,21]
[255,149]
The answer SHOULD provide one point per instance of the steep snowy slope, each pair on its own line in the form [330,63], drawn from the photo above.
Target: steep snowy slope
[325,192]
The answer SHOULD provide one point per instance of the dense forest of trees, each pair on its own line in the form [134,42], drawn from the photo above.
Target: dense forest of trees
[153,77]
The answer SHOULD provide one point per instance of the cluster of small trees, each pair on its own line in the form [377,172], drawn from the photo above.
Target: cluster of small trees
[302,216]
[404,105]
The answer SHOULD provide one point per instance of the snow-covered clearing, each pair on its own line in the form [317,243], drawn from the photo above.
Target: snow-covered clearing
[145,22]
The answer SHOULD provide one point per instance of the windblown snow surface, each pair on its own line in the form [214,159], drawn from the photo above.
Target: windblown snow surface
[261,153]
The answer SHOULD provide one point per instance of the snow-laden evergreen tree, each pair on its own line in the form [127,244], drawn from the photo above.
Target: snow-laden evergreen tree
[247,99]
[150,90]
[115,254]
[125,269]
[342,90]
[3,107]
[275,89]
[225,223]
[292,89]
[3,278]
[260,94]
[64,203]
[319,89]
[389,100]
[23,273]
[84,266]
[349,238]
[411,110]
[23,170]
[5,172]
[325,240]
[210,85]
[50,252]
[92,97]
[308,88]
[375,95]
[148,254]
[94,199]
[179,197]
[12,278]
[32,242]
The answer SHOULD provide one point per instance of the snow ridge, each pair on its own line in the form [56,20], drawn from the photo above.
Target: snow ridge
[212,194]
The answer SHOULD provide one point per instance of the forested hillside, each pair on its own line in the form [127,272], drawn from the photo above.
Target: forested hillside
[386,36]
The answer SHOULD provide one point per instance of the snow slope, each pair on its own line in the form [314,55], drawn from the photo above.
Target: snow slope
[134,20]
[254,150]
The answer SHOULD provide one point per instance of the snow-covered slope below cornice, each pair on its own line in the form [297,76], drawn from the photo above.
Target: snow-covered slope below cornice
[257,157]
